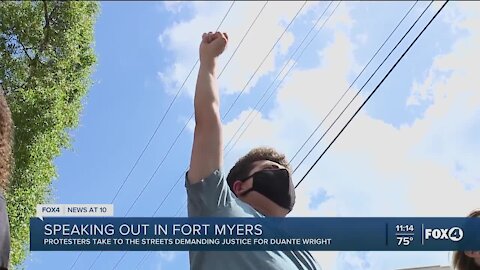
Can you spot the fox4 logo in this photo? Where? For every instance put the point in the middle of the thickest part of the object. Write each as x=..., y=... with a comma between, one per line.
x=454, y=234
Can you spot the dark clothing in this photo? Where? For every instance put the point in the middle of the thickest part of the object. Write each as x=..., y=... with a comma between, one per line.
x=4, y=234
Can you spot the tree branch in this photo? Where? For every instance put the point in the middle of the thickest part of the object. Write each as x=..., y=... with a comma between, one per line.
x=47, y=18
x=46, y=28
x=25, y=50
x=55, y=7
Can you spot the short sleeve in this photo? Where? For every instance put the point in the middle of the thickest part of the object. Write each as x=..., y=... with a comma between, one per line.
x=209, y=196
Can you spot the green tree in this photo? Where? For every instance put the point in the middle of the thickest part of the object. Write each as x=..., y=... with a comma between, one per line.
x=46, y=59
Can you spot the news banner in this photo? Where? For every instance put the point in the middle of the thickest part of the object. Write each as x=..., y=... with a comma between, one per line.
x=91, y=227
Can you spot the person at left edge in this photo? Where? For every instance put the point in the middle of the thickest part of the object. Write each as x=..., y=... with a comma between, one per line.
x=5, y=164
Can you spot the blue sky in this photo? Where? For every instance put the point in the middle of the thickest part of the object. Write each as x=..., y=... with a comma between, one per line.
x=418, y=131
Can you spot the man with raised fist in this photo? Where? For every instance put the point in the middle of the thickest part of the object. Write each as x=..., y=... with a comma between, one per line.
x=259, y=185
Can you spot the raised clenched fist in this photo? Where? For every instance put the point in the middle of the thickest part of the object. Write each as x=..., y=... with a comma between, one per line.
x=212, y=45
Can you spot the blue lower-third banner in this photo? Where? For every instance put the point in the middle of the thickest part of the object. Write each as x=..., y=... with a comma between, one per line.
x=354, y=234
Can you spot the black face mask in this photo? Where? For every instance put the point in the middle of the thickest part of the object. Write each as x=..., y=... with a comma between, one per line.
x=276, y=185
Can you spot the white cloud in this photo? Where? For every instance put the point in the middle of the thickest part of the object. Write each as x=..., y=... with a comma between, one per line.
x=342, y=18
x=362, y=38
x=173, y=6
x=251, y=136
x=182, y=40
x=286, y=41
x=315, y=89
x=421, y=91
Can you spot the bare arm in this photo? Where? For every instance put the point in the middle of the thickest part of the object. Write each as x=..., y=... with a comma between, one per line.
x=207, y=151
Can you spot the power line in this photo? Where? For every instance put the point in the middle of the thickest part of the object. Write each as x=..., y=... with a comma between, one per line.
x=360, y=90
x=371, y=94
x=244, y=36
x=158, y=125
x=261, y=63
x=348, y=89
x=285, y=75
x=145, y=257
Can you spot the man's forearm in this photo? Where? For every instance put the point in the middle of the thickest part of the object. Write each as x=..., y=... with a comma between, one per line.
x=207, y=150
x=207, y=100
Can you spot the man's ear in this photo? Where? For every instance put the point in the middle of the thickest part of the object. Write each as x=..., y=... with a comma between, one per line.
x=473, y=254
x=237, y=187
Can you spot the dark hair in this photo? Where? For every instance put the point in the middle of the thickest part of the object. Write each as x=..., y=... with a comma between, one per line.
x=244, y=165
x=6, y=131
x=460, y=260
